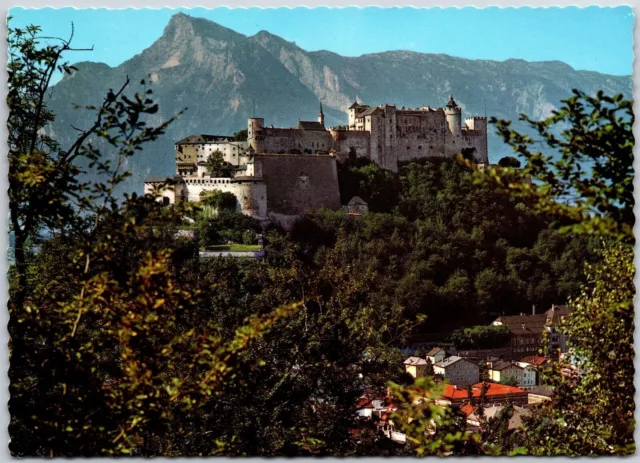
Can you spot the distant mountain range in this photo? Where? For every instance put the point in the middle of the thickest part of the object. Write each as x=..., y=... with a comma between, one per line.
x=222, y=77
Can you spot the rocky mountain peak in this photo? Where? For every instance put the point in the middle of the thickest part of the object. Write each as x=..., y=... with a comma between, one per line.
x=183, y=25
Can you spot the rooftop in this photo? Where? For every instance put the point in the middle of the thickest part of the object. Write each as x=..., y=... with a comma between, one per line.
x=523, y=324
x=369, y=111
x=200, y=139
x=451, y=391
x=170, y=180
x=310, y=125
x=449, y=361
x=415, y=361
x=357, y=201
x=536, y=360
x=556, y=313
x=499, y=366
x=434, y=351
x=540, y=390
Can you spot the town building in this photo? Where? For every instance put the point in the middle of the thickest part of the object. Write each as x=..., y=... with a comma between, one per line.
x=356, y=206
x=475, y=422
x=380, y=408
x=529, y=374
x=501, y=372
x=540, y=394
x=193, y=151
x=456, y=396
x=527, y=330
x=457, y=370
x=436, y=355
x=415, y=366
x=557, y=320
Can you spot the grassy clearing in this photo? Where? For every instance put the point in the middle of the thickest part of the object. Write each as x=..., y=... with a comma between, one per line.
x=234, y=248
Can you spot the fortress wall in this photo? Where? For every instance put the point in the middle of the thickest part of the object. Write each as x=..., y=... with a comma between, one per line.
x=359, y=140
x=251, y=195
x=172, y=192
x=286, y=140
x=299, y=183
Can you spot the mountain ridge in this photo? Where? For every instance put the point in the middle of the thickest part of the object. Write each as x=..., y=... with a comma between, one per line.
x=221, y=75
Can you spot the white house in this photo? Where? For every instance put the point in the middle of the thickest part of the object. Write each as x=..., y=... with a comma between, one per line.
x=458, y=370
x=415, y=366
x=528, y=374
x=500, y=371
x=436, y=355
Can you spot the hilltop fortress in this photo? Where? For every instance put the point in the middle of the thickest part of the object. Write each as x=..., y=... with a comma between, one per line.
x=385, y=134
x=291, y=171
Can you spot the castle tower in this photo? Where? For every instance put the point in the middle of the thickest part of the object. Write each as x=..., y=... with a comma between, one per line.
x=255, y=135
x=454, y=116
x=321, y=116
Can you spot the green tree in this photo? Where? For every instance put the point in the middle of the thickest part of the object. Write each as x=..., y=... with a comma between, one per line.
x=509, y=161
x=590, y=179
x=509, y=381
x=217, y=166
x=589, y=187
x=481, y=337
x=219, y=200
x=45, y=191
x=429, y=368
x=241, y=135
x=592, y=411
x=430, y=429
x=110, y=349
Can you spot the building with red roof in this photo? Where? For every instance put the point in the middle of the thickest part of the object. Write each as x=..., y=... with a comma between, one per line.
x=456, y=396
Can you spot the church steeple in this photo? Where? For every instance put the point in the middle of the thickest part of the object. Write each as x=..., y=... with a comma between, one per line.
x=321, y=115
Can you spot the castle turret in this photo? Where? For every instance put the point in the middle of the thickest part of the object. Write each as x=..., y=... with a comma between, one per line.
x=454, y=116
x=321, y=116
x=255, y=135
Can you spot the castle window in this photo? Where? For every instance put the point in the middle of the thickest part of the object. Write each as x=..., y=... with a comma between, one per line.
x=408, y=147
x=419, y=147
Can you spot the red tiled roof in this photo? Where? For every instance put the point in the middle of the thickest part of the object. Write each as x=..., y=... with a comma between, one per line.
x=535, y=359
x=453, y=392
x=467, y=409
x=364, y=403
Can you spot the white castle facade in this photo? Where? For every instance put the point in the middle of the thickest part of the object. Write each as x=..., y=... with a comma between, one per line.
x=384, y=134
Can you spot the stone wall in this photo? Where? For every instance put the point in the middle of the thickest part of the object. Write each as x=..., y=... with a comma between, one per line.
x=287, y=140
x=251, y=194
x=167, y=193
x=345, y=140
x=299, y=183
x=420, y=134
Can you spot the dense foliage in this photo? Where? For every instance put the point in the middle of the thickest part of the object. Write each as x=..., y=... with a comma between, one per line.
x=481, y=337
x=586, y=172
x=447, y=245
x=592, y=411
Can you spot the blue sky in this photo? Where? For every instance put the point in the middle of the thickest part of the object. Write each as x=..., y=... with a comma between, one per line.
x=593, y=38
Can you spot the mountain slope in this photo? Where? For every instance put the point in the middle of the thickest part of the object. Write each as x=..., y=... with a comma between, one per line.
x=221, y=76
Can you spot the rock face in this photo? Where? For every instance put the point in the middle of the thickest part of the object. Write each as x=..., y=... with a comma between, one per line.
x=223, y=78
